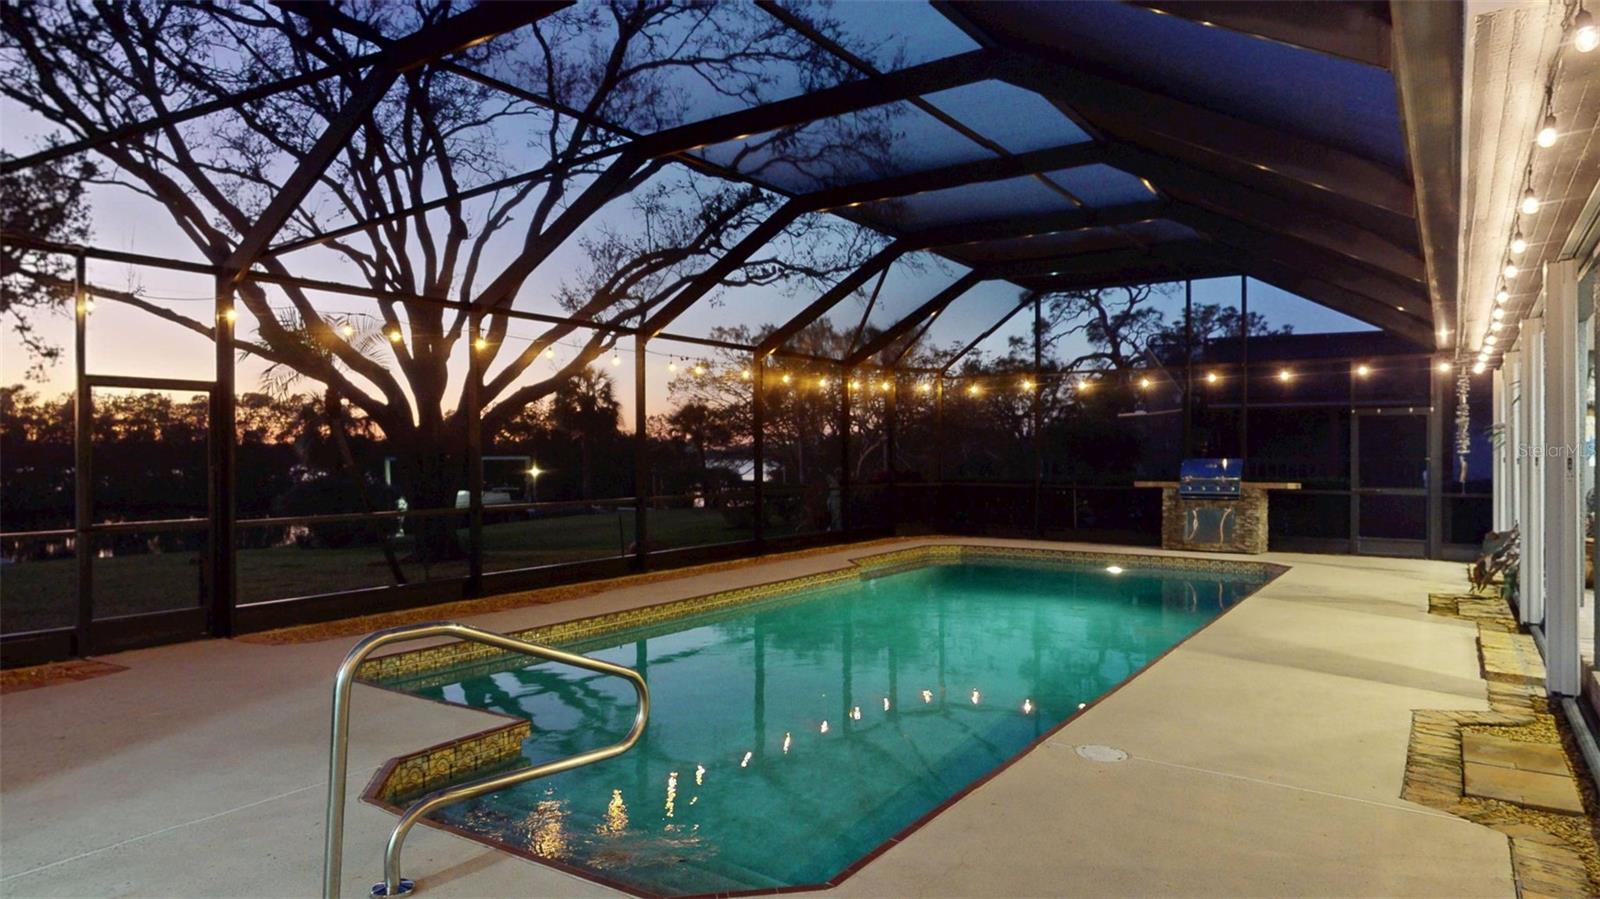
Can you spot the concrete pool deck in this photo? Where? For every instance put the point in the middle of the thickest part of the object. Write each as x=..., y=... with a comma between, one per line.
x=1267, y=757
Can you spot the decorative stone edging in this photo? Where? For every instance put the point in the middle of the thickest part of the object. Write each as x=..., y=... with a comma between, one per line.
x=1552, y=854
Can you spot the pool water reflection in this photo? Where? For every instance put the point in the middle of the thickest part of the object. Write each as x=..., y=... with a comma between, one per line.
x=790, y=738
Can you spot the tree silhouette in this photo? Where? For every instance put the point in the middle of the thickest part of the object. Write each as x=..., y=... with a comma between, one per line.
x=640, y=65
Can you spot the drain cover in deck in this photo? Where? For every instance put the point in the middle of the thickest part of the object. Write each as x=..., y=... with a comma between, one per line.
x=1095, y=752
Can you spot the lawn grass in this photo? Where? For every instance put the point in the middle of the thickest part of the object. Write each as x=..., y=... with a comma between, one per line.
x=39, y=595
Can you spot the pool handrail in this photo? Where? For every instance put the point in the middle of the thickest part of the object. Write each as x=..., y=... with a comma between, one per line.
x=339, y=741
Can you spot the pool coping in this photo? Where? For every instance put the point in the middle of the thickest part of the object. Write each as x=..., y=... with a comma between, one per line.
x=418, y=772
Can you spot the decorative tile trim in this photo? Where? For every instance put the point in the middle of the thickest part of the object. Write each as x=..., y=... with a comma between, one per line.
x=417, y=662
x=408, y=776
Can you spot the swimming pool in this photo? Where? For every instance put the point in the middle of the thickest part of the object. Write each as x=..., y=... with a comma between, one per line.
x=792, y=736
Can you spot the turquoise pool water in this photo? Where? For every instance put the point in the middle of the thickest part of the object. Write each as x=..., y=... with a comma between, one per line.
x=790, y=738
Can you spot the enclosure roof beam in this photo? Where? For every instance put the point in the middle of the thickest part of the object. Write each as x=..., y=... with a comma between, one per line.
x=1381, y=286
x=933, y=307
x=1427, y=76
x=1177, y=254
x=990, y=169
x=1132, y=275
x=1027, y=300
x=1130, y=112
x=1033, y=225
x=178, y=117
x=1354, y=31
x=725, y=265
x=1289, y=277
x=1238, y=201
x=538, y=247
x=852, y=96
x=543, y=171
x=879, y=262
x=459, y=32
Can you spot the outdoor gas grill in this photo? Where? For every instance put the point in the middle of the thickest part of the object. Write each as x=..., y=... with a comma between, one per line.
x=1211, y=508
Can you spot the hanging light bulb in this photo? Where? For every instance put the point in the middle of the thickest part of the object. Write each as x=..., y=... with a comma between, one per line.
x=924, y=387
x=395, y=335
x=1496, y=326
x=1490, y=340
x=1548, y=134
x=822, y=381
x=549, y=352
x=1511, y=270
x=1285, y=375
x=1585, y=36
x=615, y=360
x=1211, y=377
x=480, y=344
x=1478, y=367
x=974, y=390
x=1027, y=385
x=1530, y=202
x=744, y=374
x=1501, y=297
x=230, y=315
x=1518, y=244
x=1444, y=367
x=855, y=385
x=672, y=365
x=699, y=369
x=786, y=378
x=885, y=385
x=347, y=329
x=1497, y=314
x=1363, y=370
x=1144, y=383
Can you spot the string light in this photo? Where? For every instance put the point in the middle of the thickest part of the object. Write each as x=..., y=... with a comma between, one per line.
x=1085, y=385
x=1501, y=297
x=885, y=385
x=1497, y=314
x=1285, y=375
x=230, y=315
x=744, y=373
x=347, y=329
x=1548, y=134
x=480, y=344
x=1518, y=244
x=1144, y=383
x=395, y=336
x=672, y=366
x=1478, y=367
x=1511, y=270
x=974, y=390
x=822, y=381
x=1496, y=326
x=1211, y=377
x=1585, y=36
x=1363, y=370
x=855, y=385
x=786, y=378
x=550, y=352
x=1530, y=202
x=699, y=369
x=1490, y=339
x=1444, y=366
x=1027, y=385
x=924, y=387
x=615, y=360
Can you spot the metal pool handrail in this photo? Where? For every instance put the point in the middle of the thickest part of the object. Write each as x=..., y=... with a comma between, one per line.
x=339, y=741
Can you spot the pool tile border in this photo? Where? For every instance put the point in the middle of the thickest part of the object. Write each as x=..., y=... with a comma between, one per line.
x=404, y=778
x=415, y=662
